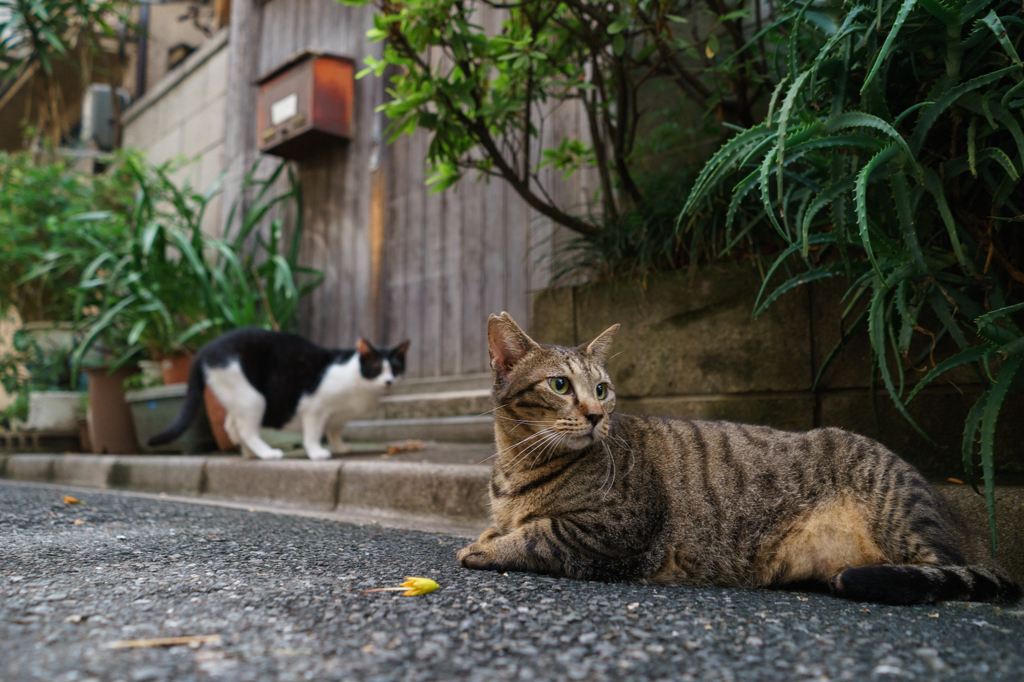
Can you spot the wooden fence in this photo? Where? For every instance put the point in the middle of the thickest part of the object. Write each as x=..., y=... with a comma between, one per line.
x=400, y=262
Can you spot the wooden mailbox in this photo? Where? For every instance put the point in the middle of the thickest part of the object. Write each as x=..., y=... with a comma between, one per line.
x=305, y=105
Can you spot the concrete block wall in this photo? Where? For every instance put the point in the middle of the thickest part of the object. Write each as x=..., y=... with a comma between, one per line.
x=183, y=116
x=690, y=348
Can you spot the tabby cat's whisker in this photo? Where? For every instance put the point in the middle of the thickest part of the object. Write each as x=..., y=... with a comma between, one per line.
x=632, y=455
x=543, y=432
x=608, y=471
x=542, y=447
x=549, y=449
x=612, y=458
x=525, y=440
x=525, y=421
x=533, y=447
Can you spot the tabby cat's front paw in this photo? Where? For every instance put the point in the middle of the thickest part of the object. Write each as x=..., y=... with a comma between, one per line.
x=489, y=535
x=478, y=557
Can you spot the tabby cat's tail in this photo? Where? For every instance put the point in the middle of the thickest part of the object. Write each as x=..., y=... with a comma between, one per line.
x=905, y=584
x=189, y=410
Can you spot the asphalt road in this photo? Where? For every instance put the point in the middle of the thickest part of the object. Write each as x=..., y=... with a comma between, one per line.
x=284, y=594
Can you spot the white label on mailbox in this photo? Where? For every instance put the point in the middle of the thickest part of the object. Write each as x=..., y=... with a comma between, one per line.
x=283, y=109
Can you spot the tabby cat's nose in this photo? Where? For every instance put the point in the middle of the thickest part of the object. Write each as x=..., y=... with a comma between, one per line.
x=594, y=417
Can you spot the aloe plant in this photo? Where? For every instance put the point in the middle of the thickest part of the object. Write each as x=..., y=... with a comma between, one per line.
x=891, y=156
x=171, y=287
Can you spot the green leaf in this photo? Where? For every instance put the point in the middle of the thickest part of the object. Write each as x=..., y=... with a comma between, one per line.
x=782, y=258
x=136, y=331
x=989, y=318
x=787, y=107
x=1000, y=157
x=861, y=200
x=971, y=426
x=992, y=21
x=934, y=187
x=618, y=25
x=774, y=99
x=859, y=119
x=766, y=201
x=739, y=192
x=1011, y=349
x=876, y=331
x=972, y=354
x=997, y=393
x=722, y=163
x=823, y=272
x=618, y=45
x=932, y=113
x=905, y=10
x=824, y=198
x=901, y=195
x=941, y=11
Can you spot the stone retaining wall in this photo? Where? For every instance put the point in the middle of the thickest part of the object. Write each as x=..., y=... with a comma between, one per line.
x=689, y=347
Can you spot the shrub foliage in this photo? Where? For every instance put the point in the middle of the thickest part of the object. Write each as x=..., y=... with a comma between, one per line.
x=891, y=156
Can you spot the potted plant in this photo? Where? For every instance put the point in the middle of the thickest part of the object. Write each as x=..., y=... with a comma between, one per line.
x=41, y=381
x=46, y=238
x=54, y=221
x=170, y=287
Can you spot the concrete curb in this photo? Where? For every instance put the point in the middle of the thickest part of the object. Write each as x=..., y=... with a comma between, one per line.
x=303, y=483
x=457, y=490
x=361, y=488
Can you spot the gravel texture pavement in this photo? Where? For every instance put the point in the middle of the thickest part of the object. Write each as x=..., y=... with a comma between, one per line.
x=285, y=595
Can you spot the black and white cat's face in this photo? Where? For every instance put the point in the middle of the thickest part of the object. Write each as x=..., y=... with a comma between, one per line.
x=381, y=366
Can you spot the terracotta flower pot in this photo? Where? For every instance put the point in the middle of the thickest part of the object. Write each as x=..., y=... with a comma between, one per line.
x=216, y=413
x=175, y=369
x=111, y=430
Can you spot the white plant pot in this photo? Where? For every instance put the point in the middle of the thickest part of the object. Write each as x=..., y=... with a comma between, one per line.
x=54, y=410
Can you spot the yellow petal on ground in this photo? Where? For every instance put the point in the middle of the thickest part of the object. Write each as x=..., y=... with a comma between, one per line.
x=413, y=587
x=72, y=500
x=418, y=586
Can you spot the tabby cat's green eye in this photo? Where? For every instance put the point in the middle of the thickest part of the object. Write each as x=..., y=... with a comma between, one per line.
x=559, y=385
x=602, y=391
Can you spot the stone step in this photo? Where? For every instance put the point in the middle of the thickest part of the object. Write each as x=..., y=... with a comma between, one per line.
x=462, y=403
x=464, y=382
x=459, y=429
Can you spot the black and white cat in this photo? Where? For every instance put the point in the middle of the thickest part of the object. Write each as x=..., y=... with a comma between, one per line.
x=282, y=381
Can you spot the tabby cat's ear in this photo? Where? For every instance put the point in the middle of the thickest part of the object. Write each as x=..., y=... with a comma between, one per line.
x=598, y=348
x=364, y=348
x=506, y=342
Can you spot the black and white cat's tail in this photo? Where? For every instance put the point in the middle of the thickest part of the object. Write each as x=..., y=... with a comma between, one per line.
x=906, y=584
x=189, y=410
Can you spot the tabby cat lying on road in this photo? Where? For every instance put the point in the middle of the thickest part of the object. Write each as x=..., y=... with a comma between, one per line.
x=579, y=491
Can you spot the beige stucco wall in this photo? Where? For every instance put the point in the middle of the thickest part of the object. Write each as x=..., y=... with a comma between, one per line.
x=183, y=116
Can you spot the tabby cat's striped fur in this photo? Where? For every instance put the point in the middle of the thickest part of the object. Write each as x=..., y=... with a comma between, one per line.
x=579, y=491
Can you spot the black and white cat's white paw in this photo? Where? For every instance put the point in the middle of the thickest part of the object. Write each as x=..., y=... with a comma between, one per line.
x=319, y=453
x=271, y=453
x=265, y=452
